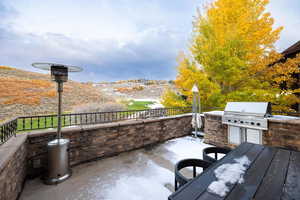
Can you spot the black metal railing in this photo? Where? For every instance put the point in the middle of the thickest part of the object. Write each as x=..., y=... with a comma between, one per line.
x=8, y=129
x=27, y=123
x=75, y=119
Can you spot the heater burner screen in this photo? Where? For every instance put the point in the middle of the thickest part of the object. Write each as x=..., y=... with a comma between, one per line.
x=59, y=73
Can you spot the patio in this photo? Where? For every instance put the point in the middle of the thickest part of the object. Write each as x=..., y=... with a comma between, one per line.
x=147, y=173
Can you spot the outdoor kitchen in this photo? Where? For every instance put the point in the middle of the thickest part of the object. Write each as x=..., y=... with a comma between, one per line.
x=251, y=122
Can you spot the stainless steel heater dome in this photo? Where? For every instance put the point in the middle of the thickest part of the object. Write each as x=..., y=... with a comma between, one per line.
x=58, y=168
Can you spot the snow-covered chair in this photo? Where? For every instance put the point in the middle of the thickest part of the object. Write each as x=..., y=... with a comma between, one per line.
x=215, y=151
x=179, y=178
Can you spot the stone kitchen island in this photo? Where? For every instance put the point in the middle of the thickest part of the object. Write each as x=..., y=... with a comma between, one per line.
x=283, y=131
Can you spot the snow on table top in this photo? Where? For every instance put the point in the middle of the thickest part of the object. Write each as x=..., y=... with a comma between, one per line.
x=228, y=174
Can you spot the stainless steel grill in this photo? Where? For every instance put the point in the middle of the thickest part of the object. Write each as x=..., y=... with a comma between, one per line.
x=246, y=121
x=247, y=114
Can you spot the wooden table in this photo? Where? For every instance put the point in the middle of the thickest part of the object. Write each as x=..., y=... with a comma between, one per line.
x=273, y=174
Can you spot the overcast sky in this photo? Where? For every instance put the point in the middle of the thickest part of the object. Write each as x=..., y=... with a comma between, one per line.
x=112, y=39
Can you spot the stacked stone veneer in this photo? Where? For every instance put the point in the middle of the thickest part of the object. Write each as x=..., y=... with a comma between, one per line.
x=215, y=132
x=26, y=155
x=283, y=132
x=98, y=141
x=12, y=167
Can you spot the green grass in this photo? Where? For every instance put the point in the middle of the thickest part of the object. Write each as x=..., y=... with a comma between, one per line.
x=42, y=123
x=139, y=105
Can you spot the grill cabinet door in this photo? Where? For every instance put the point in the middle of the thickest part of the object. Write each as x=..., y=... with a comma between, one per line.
x=254, y=136
x=234, y=135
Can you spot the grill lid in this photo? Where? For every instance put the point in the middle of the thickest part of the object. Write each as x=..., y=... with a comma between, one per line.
x=251, y=115
x=262, y=109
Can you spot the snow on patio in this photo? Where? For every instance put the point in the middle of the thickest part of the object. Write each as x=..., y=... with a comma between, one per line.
x=142, y=174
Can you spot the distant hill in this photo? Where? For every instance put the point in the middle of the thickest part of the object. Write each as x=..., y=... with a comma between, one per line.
x=135, y=89
x=29, y=93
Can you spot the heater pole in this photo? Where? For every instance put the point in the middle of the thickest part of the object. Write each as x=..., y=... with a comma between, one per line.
x=59, y=90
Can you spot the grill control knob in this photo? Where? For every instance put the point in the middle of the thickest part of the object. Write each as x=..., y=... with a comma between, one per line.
x=235, y=121
x=252, y=123
x=258, y=124
x=229, y=120
x=242, y=122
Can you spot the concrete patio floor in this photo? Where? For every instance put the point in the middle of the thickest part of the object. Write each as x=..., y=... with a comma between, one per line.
x=144, y=174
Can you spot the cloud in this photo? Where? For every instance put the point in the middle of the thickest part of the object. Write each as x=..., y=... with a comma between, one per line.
x=112, y=41
x=144, y=57
x=286, y=14
x=121, y=39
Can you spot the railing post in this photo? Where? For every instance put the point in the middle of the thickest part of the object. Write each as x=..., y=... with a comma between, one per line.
x=2, y=135
x=16, y=126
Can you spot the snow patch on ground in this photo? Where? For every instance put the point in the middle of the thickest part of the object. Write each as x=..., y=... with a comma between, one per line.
x=228, y=174
x=186, y=147
x=134, y=187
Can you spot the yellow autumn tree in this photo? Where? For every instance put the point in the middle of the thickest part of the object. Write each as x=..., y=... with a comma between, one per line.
x=233, y=58
x=189, y=74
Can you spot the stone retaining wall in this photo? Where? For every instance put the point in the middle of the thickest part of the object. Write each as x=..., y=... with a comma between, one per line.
x=283, y=132
x=25, y=155
x=99, y=141
x=12, y=167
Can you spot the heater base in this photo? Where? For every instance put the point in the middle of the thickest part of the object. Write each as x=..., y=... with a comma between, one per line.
x=58, y=168
x=53, y=181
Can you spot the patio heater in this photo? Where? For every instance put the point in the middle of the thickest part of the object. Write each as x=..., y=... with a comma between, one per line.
x=58, y=169
x=196, y=109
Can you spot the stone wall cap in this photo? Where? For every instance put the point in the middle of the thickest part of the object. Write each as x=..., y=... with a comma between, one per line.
x=9, y=148
x=36, y=133
x=157, y=119
x=215, y=112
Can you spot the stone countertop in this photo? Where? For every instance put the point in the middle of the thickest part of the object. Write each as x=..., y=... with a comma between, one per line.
x=274, y=118
x=284, y=119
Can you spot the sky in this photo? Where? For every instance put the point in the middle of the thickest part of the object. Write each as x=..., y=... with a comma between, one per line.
x=112, y=39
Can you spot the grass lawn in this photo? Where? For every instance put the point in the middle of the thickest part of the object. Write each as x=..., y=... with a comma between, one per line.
x=139, y=105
